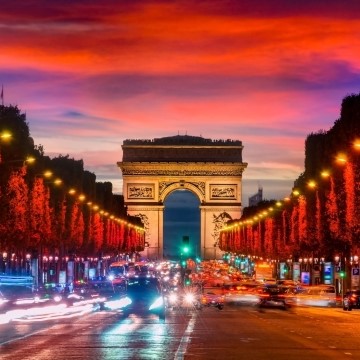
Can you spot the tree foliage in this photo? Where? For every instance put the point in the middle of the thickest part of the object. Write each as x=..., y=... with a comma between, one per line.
x=36, y=215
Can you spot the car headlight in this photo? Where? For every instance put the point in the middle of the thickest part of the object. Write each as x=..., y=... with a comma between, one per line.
x=189, y=297
x=57, y=298
x=118, y=304
x=173, y=298
x=3, y=301
x=159, y=302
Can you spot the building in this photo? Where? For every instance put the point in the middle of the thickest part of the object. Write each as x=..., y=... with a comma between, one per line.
x=256, y=198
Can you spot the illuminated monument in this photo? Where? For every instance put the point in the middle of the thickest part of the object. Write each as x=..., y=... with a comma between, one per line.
x=210, y=169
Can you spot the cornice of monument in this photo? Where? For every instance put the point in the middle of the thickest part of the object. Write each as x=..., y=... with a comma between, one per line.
x=182, y=169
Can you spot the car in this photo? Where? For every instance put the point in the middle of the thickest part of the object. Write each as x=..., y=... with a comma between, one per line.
x=286, y=282
x=143, y=296
x=351, y=300
x=271, y=295
x=212, y=298
x=241, y=294
x=322, y=296
x=17, y=297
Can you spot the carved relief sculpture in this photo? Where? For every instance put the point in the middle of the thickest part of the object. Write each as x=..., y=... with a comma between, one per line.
x=140, y=191
x=223, y=191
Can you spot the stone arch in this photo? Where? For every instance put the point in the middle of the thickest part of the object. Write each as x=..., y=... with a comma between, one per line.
x=182, y=185
x=211, y=169
x=181, y=220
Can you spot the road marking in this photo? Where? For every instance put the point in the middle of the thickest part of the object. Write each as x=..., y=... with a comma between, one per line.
x=23, y=337
x=179, y=355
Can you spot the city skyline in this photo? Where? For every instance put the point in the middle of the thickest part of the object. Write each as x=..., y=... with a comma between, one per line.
x=91, y=75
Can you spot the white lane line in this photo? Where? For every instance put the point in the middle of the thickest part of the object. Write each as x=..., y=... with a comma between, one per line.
x=23, y=337
x=179, y=355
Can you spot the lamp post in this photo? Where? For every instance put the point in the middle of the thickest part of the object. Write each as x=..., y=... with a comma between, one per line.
x=4, y=255
x=28, y=264
x=339, y=276
x=4, y=137
x=45, y=270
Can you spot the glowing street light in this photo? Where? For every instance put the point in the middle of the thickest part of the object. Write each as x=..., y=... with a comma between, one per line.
x=29, y=160
x=5, y=136
x=47, y=174
x=357, y=144
x=296, y=192
x=57, y=181
x=312, y=184
x=325, y=174
x=341, y=158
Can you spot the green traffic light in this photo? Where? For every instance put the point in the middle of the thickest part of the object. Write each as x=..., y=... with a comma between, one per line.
x=186, y=249
x=342, y=274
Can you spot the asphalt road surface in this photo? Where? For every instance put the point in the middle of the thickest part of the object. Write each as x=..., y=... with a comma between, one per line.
x=237, y=332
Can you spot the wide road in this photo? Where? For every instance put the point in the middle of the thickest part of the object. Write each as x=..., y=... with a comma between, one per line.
x=237, y=332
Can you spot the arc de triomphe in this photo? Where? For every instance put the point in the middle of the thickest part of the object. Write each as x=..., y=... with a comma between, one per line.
x=211, y=169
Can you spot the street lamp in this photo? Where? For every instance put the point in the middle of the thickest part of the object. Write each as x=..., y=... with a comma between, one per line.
x=5, y=260
x=357, y=144
x=28, y=266
x=4, y=137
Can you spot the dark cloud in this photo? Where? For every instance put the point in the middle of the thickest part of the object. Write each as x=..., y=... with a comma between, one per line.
x=87, y=10
x=123, y=86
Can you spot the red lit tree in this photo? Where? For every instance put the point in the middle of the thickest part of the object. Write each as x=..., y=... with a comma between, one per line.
x=16, y=221
x=40, y=234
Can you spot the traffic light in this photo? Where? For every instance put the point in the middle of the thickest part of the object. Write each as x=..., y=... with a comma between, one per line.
x=185, y=247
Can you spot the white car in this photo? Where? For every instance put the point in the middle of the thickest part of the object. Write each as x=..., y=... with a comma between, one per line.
x=323, y=295
x=241, y=294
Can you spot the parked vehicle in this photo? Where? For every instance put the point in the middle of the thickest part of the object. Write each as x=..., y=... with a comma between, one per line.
x=351, y=300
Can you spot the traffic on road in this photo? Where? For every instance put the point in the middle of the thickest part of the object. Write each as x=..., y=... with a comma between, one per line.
x=165, y=299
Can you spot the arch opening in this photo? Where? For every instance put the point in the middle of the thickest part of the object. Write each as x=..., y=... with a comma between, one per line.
x=181, y=222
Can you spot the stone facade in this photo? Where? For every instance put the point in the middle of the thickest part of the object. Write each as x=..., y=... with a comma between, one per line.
x=153, y=169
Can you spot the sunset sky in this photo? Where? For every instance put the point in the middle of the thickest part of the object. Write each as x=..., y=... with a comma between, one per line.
x=90, y=74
